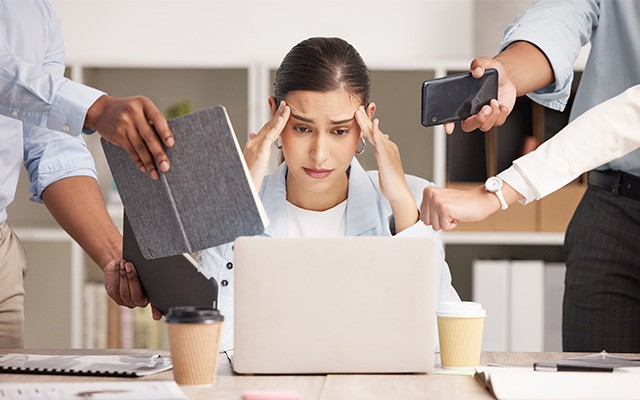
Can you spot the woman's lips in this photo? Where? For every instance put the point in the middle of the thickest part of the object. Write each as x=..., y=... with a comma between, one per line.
x=317, y=173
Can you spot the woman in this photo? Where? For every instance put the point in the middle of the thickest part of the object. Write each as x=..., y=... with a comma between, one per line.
x=321, y=119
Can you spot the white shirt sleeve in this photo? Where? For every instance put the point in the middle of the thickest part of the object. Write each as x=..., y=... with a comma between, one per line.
x=606, y=132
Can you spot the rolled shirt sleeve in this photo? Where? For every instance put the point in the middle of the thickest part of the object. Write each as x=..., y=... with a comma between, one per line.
x=51, y=156
x=559, y=29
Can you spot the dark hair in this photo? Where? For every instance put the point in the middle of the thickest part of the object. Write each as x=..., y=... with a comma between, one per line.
x=322, y=64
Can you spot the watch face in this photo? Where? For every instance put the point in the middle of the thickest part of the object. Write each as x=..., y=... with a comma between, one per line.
x=493, y=184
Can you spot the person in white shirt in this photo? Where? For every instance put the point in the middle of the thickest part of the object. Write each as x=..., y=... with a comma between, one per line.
x=601, y=306
x=321, y=120
x=576, y=149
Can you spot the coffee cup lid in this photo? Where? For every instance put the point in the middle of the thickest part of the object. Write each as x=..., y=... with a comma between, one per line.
x=193, y=315
x=460, y=309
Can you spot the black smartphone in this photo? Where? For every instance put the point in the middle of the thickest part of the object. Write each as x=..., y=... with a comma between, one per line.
x=457, y=97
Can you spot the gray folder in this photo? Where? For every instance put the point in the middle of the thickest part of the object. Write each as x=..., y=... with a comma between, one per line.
x=206, y=198
x=169, y=281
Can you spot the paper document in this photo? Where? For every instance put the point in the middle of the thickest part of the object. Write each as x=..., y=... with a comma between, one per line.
x=107, y=365
x=603, y=362
x=525, y=383
x=148, y=390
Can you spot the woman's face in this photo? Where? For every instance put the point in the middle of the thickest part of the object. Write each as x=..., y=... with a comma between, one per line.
x=318, y=144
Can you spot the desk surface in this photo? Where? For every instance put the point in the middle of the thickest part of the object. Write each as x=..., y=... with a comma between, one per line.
x=311, y=387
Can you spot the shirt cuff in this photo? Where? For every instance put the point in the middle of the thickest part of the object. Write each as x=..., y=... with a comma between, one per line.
x=70, y=106
x=514, y=177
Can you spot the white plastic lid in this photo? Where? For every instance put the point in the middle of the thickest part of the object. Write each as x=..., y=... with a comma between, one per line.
x=460, y=309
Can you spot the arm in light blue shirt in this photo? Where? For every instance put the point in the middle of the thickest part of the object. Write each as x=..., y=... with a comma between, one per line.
x=559, y=29
x=36, y=92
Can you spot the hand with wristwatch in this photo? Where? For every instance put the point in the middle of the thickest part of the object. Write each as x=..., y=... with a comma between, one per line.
x=443, y=208
x=494, y=185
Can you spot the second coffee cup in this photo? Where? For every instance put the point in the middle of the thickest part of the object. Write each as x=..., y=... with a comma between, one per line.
x=460, y=326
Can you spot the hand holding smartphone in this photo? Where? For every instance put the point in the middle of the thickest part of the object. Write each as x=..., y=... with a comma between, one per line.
x=457, y=97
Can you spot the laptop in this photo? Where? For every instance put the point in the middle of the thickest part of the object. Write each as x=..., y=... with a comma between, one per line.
x=334, y=305
x=169, y=281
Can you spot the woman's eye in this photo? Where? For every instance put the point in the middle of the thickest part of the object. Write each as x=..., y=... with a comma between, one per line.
x=301, y=129
x=341, y=132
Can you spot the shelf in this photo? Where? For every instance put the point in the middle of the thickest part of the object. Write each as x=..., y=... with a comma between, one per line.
x=505, y=238
x=42, y=234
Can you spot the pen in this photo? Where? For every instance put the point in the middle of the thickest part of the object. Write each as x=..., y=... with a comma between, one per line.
x=570, y=368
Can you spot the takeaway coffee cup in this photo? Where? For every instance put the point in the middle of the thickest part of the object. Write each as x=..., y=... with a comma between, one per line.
x=460, y=326
x=194, y=334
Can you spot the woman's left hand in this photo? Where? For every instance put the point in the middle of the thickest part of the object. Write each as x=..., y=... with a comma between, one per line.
x=393, y=183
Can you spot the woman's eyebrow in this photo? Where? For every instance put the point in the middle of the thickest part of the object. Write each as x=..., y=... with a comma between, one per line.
x=303, y=119
x=343, y=121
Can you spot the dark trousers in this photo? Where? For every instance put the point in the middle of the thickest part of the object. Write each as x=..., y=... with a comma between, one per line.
x=601, y=309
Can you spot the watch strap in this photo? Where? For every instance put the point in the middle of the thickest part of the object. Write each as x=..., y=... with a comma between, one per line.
x=503, y=202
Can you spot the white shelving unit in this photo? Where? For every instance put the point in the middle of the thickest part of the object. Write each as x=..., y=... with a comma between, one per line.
x=505, y=238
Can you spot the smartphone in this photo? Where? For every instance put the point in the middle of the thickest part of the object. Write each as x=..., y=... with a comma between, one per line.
x=457, y=97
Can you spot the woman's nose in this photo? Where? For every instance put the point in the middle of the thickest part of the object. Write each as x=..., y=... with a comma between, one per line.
x=319, y=148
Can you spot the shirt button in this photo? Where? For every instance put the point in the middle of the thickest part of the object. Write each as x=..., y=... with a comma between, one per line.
x=229, y=265
x=66, y=128
x=14, y=114
x=225, y=283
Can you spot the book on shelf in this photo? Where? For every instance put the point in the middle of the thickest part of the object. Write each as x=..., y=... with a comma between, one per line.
x=95, y=316
x=491, y=288
x=527, y=305
x=206, y=199
x=553, y=297
x=98, y=365
x=135, y=328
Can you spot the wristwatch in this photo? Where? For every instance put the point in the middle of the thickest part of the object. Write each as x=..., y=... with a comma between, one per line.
x=494, y=185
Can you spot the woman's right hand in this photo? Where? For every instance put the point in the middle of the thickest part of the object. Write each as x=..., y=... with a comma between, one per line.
x=257, y=151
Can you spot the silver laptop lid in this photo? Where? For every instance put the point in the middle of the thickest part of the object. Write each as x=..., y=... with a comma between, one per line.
x=334, y=305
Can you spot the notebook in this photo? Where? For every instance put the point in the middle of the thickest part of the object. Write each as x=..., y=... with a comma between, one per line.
x=206, y=199
x=169, y=281
x=334, y=305
x=130, y=366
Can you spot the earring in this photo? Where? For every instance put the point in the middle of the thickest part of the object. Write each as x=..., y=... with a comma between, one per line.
x=364, y=146
x=277, y=143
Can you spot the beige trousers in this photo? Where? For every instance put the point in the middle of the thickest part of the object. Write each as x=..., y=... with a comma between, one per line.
x=13, y=268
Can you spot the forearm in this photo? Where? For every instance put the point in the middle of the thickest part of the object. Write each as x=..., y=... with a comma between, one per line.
x=77, y=205
x=405, y=213
x=526, y=66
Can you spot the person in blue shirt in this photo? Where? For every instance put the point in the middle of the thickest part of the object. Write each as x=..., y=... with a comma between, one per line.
x=41, y=117
x=321, y=121
x=601, y=307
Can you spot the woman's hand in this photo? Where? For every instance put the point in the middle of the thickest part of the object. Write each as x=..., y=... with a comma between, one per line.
x=393, y=183
x=257, y=151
